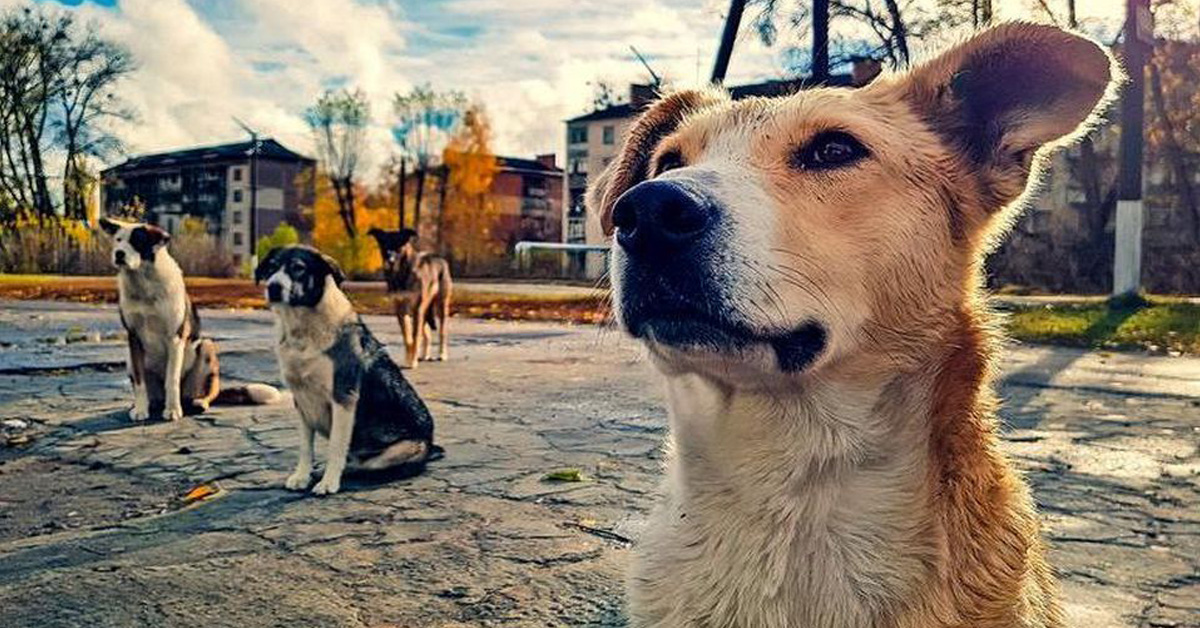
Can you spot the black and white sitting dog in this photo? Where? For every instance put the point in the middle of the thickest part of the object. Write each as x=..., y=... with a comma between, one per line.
x=173, y=369
x=345, y=384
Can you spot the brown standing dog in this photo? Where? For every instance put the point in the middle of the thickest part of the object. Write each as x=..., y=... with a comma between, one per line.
x=806, y=274
x=422, y=286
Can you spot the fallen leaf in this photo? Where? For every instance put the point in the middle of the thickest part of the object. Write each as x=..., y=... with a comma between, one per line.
x=203, y=491
x=564, y=475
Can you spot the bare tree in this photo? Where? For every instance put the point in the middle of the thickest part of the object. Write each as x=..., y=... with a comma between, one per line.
x=56, y=91
x=425, y=119
x=88, y=98
x=339, y=123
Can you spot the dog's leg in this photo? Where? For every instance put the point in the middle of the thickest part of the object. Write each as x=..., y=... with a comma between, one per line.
x=443, y=315
x=202, y=383
x=426, y=342
x=421, y=329
x=137, y=376
x=410, y=341
x=173, y=408
x=302, y=475
x=403, y=452
x=341, y=428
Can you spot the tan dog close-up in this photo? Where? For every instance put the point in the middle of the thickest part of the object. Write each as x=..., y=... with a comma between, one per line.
x=806, y=274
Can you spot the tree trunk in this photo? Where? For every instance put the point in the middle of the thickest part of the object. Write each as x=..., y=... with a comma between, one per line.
x=442, y=207
x=899, y=30
x=347, y=208
x=41, y=194
x=400, y=185
x=420, y=196
x=1175, y=156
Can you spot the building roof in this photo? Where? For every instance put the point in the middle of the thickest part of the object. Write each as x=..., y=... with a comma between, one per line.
x=517, y=163
x=613, y=112
x=268, y=149
x=766, y=88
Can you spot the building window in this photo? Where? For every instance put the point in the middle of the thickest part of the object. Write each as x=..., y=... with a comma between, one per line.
x=237, y=174
x=577, y=135
x=610, y=135
x=237, y=218
x=237, y=196
x=237, y=238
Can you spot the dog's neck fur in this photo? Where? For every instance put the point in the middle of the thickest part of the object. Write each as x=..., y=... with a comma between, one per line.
x=316, y=326
x=151, y=280
x=842, y=482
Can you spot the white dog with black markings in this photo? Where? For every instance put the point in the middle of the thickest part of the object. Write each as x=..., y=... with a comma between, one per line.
x=174, y=371
x=346, y=386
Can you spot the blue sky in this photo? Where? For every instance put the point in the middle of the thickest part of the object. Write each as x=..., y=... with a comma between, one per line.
x=532, y=63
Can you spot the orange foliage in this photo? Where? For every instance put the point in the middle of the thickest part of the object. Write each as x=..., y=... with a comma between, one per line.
x=359, y=255
x=470, y=212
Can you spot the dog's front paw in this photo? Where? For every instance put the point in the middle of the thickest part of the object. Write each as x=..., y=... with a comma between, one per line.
x=173, y=413
x=327, y=486
x=443, y=356
x=298, y=481
x=138, y=413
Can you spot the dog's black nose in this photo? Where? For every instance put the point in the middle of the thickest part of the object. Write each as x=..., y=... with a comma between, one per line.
x=119, y=257
x=274, y=292
x=661, y=217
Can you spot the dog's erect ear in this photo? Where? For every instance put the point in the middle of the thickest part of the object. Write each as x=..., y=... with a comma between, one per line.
x=109, y=226
x=1010, y=90
x=405, y=236
x=146, y=239
x=331, y=266
x=630, y=167
x=156, y=236
x=268, y=265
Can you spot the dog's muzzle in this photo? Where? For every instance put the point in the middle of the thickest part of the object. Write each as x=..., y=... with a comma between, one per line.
x=118, y=258
x=671, y=290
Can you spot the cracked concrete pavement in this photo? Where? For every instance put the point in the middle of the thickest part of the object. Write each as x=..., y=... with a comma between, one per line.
x=94, y=531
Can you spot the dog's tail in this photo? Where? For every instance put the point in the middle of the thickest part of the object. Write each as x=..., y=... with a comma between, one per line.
x=248, y=395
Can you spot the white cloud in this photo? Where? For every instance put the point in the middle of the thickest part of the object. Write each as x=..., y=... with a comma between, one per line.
x=531, y=62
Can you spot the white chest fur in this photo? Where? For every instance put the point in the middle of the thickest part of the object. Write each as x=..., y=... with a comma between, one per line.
x=783, y=510
x=153, y=303
x=308, y=372
x=305, y=336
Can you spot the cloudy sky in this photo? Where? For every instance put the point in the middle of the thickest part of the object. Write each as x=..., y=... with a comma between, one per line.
x=531, y=62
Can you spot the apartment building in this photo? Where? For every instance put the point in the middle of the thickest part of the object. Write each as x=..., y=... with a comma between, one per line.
x=218, y=184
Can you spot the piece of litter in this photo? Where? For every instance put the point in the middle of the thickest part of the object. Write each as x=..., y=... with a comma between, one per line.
x=564, y=475
x=14, y=424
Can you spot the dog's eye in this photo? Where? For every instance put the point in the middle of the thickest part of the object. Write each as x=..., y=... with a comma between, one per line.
x=670, y=160
x=832, y=149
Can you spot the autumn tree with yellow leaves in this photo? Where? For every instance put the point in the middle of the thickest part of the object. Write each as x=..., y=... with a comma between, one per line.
x=356, y=254
x=468, y=219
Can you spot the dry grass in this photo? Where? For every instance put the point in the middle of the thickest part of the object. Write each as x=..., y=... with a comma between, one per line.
x=1159, y=324
x=368, y=298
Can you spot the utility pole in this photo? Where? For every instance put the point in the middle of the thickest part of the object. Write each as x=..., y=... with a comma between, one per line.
x=820, y=51
x=1127, y=256
x=733, y=21
x=400, y=185
x=252, y=220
